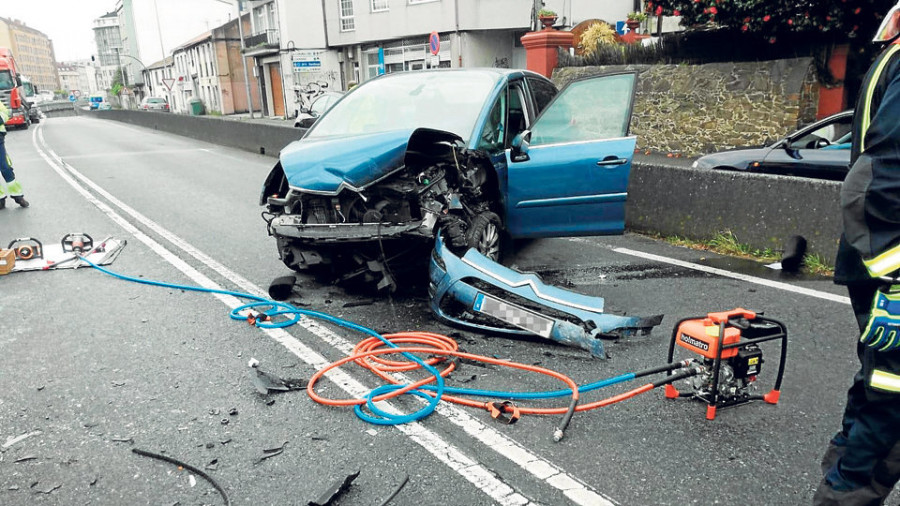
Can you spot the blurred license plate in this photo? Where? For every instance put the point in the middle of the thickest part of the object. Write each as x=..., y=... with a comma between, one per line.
x=513, y=314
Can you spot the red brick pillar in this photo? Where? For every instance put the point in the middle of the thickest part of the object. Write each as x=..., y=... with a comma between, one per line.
x=833, y=100
x=540, y=49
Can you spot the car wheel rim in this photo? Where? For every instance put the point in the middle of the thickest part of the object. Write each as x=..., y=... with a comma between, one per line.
x=489, y=242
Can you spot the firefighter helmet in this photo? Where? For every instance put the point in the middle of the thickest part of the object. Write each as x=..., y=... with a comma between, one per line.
x=890, y=26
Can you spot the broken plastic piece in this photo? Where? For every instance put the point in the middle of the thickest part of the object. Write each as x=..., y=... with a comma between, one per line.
x=267, y=382
x=334, y=491
x=475, y=292
x=282, y=288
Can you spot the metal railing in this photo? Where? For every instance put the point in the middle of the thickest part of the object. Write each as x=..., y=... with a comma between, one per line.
x=263, y=38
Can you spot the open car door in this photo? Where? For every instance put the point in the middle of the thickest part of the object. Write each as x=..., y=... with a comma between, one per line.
x=569, y=175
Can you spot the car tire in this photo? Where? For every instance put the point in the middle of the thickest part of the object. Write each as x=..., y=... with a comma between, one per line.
x=485, y=234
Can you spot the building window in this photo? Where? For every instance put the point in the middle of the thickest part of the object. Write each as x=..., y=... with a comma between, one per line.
x=347, y=21
x=380, y=5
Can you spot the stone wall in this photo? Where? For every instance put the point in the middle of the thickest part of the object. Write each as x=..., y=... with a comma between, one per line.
x=698, y=109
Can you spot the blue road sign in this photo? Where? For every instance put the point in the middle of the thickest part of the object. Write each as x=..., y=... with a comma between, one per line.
x=434, y=43
x=71, y=98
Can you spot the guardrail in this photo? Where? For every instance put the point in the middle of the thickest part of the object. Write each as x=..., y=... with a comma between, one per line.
x=761, y=210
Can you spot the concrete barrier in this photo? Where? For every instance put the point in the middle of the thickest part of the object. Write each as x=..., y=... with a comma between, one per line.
x=262, y=138
x=57, y=109
x=761, y=210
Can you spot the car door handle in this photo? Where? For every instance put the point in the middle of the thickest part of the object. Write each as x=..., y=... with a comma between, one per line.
x=612, y=161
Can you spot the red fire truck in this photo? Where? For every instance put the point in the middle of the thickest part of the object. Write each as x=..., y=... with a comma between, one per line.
x=11, y=90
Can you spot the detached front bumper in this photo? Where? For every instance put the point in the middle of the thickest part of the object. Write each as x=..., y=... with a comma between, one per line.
x=478, y=293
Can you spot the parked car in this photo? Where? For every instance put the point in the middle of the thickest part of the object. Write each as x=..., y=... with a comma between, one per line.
x=820, y=150
x=317, y=107
x=476, y=153
x=154, y=104
x=104, y=106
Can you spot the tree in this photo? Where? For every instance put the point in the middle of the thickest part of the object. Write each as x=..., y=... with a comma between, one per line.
x=840, y=20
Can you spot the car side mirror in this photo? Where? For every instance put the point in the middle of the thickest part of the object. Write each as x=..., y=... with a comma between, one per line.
x=307, y=122
x=519, y=147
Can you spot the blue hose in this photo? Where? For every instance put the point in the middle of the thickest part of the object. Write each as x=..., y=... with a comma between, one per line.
x=378, y=416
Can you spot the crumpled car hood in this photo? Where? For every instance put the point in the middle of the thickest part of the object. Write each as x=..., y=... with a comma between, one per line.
x=327, y=165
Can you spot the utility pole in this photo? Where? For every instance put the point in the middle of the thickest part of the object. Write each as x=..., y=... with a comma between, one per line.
x=243, y=58
x=240, y=22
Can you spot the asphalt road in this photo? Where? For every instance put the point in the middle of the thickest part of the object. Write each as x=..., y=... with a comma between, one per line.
x=92, y=366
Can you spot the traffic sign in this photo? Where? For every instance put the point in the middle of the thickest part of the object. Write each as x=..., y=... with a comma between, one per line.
x=168, y=82
x=77, y=93
x=72, y=97
x=434, y=43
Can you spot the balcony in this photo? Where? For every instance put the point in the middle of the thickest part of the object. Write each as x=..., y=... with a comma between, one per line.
x=262, y=43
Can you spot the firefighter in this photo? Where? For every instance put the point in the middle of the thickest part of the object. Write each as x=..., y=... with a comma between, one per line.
x=8, y=184
x=862, y=462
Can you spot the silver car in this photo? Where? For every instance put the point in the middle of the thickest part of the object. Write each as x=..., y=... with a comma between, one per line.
x=154, y=104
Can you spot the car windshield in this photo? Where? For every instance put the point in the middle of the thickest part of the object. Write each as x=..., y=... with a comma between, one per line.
x=157, y=101
x=6, y=80
x=443, y=100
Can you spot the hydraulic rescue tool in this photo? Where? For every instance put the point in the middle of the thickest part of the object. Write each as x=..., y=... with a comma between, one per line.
x=26, y=248
x=730, y=357
x=77, y=243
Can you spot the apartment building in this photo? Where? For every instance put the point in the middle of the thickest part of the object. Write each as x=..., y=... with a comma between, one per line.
x=209, y=67
x=79, y=75
x=336, y=43
x=196, y=73
x=108, y=39
x=33, y=52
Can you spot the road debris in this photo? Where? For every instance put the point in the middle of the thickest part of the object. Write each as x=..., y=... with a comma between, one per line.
x=334, y=491
x=267, y=382
x=396, y=491
x=367, y=302
x=46, y=490
x=25, y=458
x=13, y=440
x=272, y=452
x=189, y=467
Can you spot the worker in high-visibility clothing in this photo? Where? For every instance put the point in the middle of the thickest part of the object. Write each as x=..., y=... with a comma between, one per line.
x=862, y=462
x=8, y=184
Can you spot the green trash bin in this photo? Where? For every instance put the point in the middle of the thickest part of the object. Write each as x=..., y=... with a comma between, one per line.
x=196, y=106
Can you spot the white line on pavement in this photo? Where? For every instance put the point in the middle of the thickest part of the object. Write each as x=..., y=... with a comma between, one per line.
x=722, y=272
x=577, y=491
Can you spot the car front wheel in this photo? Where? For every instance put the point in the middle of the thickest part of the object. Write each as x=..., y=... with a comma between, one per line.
x=485, y=235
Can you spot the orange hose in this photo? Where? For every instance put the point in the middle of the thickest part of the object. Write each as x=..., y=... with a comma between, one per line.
x=368, y=355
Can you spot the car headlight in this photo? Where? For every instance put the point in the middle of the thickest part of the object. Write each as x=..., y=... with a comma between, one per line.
x=695, y=164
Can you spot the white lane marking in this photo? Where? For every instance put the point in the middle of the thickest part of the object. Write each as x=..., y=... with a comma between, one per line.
x=134, y=153
x=577, y=491
x=722, y=272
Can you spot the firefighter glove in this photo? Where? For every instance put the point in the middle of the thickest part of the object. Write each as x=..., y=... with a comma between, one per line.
x=883, y=330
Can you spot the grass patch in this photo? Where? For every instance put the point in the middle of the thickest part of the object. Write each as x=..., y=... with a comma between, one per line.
x=726, y=243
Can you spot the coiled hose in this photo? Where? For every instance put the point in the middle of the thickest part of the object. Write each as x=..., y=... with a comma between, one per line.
x=367, y=354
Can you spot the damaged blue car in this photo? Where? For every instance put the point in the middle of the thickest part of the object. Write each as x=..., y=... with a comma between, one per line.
x=480, y=154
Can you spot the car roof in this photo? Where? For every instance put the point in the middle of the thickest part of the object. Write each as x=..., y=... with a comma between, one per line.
x=496, y=72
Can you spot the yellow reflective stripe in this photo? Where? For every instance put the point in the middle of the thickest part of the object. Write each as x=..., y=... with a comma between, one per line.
x=885, y=263
x=885, y=381
x=867, y=106
x=892, y=336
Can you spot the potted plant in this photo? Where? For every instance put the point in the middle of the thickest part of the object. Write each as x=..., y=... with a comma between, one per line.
x=547, y=18
x=634, y=20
